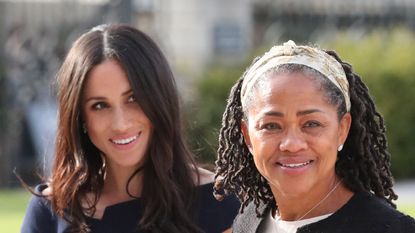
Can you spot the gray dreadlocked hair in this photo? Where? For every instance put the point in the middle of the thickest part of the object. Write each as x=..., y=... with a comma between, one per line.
x=363, y=164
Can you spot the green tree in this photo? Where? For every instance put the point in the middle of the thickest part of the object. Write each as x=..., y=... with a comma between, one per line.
x=205, y=111
x=385, y=61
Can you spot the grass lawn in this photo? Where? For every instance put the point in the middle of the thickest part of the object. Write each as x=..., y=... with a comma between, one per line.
x=12, y=207
x=407, y=209
x=13, y=204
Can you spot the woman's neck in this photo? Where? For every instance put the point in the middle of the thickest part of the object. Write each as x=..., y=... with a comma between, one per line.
x=314, y=204
x=116, y=182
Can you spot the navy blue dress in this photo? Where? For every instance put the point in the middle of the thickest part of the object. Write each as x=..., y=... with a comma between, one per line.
x=212, y=216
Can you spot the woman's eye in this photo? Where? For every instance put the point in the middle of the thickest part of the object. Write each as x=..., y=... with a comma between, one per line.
x=131, y=99
x=312, y=124
x=271, y=126
x=99, y=106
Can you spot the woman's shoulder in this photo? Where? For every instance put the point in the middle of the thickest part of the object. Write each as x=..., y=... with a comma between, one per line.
x=41, y=196
x=39, y=215
x=404, y=223
x=376, y=213
x=209, y=202
x=369, y=203
x=366, y=211
x=210, y=210
x=206, y=197
x=248, y=221
x=393, y=220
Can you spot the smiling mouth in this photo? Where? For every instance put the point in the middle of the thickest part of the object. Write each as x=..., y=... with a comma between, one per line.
x=295, y=165
x=125, y=141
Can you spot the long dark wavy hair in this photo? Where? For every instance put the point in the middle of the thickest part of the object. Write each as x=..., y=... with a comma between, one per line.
x=78, y=167
x=363, y=164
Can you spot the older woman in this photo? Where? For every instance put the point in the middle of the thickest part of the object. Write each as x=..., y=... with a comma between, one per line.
x=304, y=148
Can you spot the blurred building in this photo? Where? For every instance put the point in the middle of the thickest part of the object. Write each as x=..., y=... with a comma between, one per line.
x=194, y=34
x=312, y=20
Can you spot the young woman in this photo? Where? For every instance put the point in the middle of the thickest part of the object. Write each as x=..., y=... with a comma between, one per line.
x=304, y=148
x=121, y=162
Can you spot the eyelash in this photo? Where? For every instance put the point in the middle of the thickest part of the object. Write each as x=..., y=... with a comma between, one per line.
x=275, y=126
x=312, y=124
x=97, y=107
x=101, y=105
x=271, y=126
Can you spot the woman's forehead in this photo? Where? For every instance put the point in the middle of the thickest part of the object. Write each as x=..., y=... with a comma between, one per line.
x=287, y=90
x=285, y=85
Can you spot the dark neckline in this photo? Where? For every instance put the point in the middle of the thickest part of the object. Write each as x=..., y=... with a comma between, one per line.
x=137, y=201
x=338, y=216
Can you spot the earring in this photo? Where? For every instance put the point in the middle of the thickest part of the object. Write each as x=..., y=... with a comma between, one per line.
x=340, y=148
x=84, y=128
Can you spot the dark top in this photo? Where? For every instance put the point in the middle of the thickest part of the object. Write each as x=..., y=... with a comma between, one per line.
x=363, y=213
x=211, y=215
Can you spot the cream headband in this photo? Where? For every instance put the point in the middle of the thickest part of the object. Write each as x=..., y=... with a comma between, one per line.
x=290, y=53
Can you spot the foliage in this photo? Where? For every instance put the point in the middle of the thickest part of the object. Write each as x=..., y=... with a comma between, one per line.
x=205, y=111
x=2, y=101
x=384, y=60
x=3, y=112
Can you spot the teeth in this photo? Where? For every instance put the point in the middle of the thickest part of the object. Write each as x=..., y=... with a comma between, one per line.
x=124, y=141
x=296, y=165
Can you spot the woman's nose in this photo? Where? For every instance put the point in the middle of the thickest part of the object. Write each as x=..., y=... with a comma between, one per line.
x=293, y=141
x=121, y=120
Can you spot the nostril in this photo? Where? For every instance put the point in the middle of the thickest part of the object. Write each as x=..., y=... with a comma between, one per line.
x=292, y=144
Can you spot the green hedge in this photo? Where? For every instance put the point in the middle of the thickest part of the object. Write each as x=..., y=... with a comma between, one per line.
x=384, y=60
x=3, y=102
x=205, y=111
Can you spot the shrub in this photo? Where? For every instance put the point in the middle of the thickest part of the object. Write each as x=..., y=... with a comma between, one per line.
x=385, y=61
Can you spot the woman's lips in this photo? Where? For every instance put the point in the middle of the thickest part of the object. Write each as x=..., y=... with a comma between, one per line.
x=295, y=165
x=126, y=140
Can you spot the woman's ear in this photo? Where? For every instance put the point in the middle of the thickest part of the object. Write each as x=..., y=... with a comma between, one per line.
x=344, y=128
x=245, y=133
